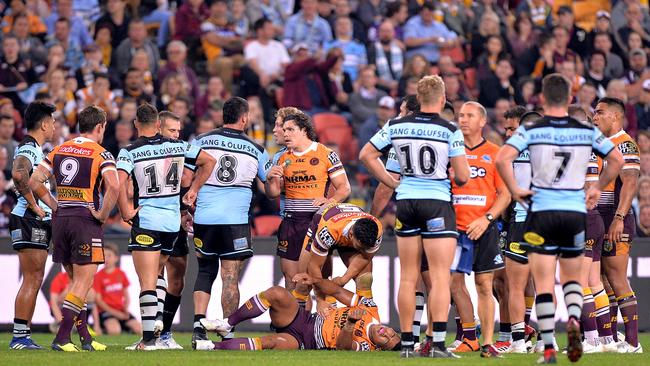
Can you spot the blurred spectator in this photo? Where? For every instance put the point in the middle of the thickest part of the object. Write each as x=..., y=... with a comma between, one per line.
x=31, y=47
x=138, y=39
x=371, y=11
x=596, y=74
x=562, y=51
x=74, y=56
x=7, y=201
x=7, y=108
x=453, y=88
x=174, y=86
x=303, y=79
x=456, y=16
x=636, y=73
x=522, y=36
x=396, y=14
x=416, y=67
x=92, y=64
x=238, y=18
x=545, y=62
x=103, y=40
x=364, y=102
x=498, y=86
x=256, y=125
x=188, y=20
x=498, y=119
x=616, y=89
x=16, y=73
x=482, y=7
x=63, y=99
x=116, y=20
x=526, y=95
x=388, y=57
x=354, y=53
x=78, y=29
x=643, y=141
x=269, y=9
x=486, y=63
x=385, y=111
x=182, y=107
x=124, y=133
x=205, y=124
x=127, y=114
x=425, y=35
x=342, y=9
x=155, y=13
x=619, y=19
x=488, y=26
x=140, y=61
x=643, y=106
x=134, y=87
x=587, y=95
x=18, y=8
x=307, y=27
x=339, y=85
x=213, y=91
x=266, y=59
x=568, y=69
x=99, y=94
x=176, y=63
x=7, y=126
x=634, y=23
x=603, y=25
x=222, y=46
x=112, y=296
x=643, y=229
x=603, y=42
x=577, y=35
x=540, y=12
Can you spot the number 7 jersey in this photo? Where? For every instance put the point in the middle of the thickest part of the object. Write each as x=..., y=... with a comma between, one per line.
x=156, y=166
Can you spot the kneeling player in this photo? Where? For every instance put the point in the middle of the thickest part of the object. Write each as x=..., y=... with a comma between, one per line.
x=355, y=327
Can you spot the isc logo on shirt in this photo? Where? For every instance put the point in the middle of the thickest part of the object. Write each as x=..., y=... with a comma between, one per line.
x=476, y=172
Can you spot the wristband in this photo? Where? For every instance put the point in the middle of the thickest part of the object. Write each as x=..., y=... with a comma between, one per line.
x=619, y=216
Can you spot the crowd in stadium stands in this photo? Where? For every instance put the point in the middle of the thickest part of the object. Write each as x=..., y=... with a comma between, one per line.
x=353, y=58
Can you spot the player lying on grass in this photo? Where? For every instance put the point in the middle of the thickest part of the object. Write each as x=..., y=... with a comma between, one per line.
x=354, y=327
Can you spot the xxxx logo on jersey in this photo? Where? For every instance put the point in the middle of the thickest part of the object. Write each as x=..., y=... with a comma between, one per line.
x=198, y=243
x=516, y=248
x=144, y=239
x=533, y=238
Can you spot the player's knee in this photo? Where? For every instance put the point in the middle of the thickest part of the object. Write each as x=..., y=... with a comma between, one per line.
x=275, y=292
x=364, y=281
x=207, y=273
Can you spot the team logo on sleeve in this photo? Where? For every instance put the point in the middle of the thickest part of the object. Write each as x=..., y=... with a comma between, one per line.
x=325, y=237
x=333, y=158
x=107, y=155
x=628, y=148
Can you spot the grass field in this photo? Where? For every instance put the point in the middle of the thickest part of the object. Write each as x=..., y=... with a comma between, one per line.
x=117, y=356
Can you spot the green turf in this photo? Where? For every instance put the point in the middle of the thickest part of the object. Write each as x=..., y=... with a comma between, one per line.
x=117, y=356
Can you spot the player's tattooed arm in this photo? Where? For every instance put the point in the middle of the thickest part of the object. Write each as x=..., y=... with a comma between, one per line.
x=383, y=194
x=37, y=186
x=20, y=173
x=204, y=167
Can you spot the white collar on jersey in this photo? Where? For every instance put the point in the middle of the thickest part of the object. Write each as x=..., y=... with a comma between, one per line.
x=312, y=147
x=82, y=139
x=619, y=133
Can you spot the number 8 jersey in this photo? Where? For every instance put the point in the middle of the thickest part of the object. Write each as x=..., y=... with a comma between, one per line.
x=423, y=143
x=560, y=150
x=156, y=167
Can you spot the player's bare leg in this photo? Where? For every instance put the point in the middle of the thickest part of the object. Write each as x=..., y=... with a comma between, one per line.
x=410, y=253
x=301, y=292
x=518, y=279
x=500, y=285
x=486, y=305
x=147, y=266
x=282, y=307
x=616, y=270
x=440, y=255
x=465, y=309
x=290, y=269
x=32, y=268
x=230, y=272
x=81, y=277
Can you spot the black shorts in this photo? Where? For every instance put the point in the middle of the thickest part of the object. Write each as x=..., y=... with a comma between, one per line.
x=77, y=239
x=146, y=240
x=478, y=256
x=560, y=233
x=514, y=249
x=595, y=235
x=629, y=230
x=292, y=233
x=180, y=245
x=104, y=316
x=428, y=218
x=223, y=241
x=29, y=233
x=302, y=329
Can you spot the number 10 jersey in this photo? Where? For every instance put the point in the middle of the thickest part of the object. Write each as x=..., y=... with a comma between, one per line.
x=156, y=167
x=225, y=198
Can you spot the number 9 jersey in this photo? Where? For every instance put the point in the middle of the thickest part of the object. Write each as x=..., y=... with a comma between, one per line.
x=424, y=144
x=156, y=167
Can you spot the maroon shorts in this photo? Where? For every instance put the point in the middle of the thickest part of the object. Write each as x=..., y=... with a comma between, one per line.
x=291, y=234
x=595, y=235
x=629, y=230
x=302, y=328
x=77, y=238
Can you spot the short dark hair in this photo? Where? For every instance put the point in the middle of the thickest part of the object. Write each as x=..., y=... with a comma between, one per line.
x=146, y=114
x=97, y=75
x=366, y=231
x=304, y=123
x=260, y=23
x=90, y=117
x=556, y=90
x=515, y=112
x=613, y=102
x=393, y=8
x=36, y=112
x=233, y=109
x=164, y=115
x=64, y=20
x=576, y=111
x=543, y=39
x=598, y=52
x=412, y=104
x=530, y=116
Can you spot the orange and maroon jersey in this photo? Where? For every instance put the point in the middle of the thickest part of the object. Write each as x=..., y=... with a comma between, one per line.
x=307, y=176
x=331, y=227
x=475, y=198
x=77, y=166
x=335, y=320
x=631, y=160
